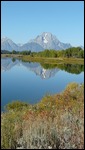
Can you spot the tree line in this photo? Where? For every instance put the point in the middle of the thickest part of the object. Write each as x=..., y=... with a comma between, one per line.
x=76, y=52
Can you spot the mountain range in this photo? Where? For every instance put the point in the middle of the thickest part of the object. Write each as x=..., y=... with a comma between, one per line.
x=44, y=41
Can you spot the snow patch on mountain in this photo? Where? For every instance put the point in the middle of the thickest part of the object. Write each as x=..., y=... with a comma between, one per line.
x=45, y=40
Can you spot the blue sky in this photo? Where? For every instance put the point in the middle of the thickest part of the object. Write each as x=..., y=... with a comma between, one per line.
x=24, y=20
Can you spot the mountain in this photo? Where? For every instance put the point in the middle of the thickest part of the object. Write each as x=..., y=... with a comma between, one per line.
x=49, y=41
x=8, y=44
x=44, y=41
x=19, y=44
x=34, y=47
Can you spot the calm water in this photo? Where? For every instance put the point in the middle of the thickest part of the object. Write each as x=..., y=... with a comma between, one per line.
x=29, y=82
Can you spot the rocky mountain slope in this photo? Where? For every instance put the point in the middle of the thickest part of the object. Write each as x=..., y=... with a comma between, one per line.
x=44, y=41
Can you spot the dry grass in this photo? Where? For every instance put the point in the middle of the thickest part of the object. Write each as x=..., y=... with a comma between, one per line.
x=56, y=122
x=45, y=59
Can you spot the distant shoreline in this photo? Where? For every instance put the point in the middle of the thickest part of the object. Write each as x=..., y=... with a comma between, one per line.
x=50, y=60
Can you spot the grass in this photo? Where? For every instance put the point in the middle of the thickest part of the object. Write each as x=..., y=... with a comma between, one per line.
x=45, y=59
x=53, y=60
x=56, y=122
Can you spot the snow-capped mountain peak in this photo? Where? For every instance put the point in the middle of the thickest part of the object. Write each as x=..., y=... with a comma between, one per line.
x=50, y=41
x=44, y=38
x=44, y=41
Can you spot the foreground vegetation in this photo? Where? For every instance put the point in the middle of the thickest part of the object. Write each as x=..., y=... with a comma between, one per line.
x=57, y=121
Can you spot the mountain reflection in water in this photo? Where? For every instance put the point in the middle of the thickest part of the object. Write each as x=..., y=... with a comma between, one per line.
x=45, y=71
x=29, y=81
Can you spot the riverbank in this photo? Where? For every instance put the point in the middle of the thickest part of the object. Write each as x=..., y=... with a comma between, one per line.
x=57, y=121
x=45, y=59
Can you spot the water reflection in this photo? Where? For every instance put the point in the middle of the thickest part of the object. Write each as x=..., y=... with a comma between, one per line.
x=29, y=82
x=8, y=63
x=71, y=68
x=45, y=71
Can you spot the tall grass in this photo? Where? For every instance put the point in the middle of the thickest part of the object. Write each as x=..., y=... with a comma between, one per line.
x=56, y=122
